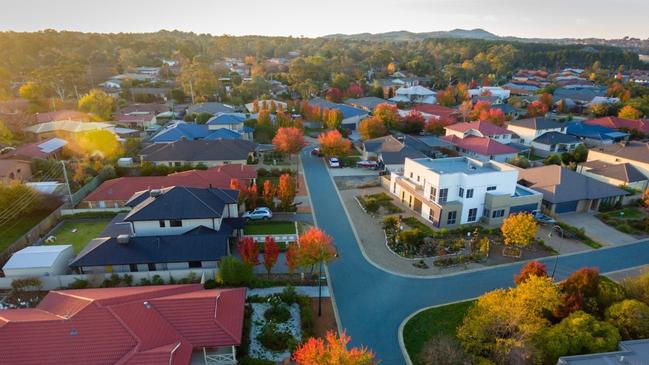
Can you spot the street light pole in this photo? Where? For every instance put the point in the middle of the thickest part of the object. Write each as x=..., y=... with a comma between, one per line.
x=556, y=258
x=320, y=291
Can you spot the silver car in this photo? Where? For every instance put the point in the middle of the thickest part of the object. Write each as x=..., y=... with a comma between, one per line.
x=258, y=214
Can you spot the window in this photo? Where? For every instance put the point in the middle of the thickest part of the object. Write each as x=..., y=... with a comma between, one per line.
x=443, y=195
x=491, y=188
x=411, y=175
x=162, y=223
x=132, y=267
x=151, y=267
x=433, y=193
x=417, y=178
x=175, y=223
x=469, y=193
x=473, y=214
x=177, y=164
x=498, y=213
x=461, y=193
x=452, y=216
x=194, y=264
x=485, y=212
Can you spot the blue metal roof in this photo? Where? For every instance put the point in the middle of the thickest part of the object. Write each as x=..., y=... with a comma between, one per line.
x=226, y=119
x=348, y=111
x=593, y=131
x=223, y=133
x=193, y=131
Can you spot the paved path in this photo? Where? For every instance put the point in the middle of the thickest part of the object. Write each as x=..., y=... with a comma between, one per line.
x=597, y=230
x=371, y=303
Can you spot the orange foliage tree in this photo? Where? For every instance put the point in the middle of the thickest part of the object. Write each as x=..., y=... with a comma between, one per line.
x=251, y=197
x=533, y=268
x=536, y=109
x=315, y=247
x=332, y=351
x=249, y=251
x=268, y=193
x=371, y=128
x=495, y=116
x=332, y=143
x=479, y=108
x=286, y=191
x=263, y=118
x=271, y=253
x=388, y=114
x=292, y=257
x=289, y=140
x=629, y=112
x=235, y=184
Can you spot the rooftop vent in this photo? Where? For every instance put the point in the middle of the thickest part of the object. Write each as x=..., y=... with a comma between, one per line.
x=147, y=305
x=73, y=332
x=123, y=239
x=155, y=193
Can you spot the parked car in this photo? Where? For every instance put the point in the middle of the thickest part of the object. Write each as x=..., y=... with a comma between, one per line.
x=542, y=218
x=316, y=152
x=257, y=214
x=334, y=162
x=368, y=164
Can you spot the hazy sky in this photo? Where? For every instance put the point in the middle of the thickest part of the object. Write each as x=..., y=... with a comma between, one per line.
x=524, y=18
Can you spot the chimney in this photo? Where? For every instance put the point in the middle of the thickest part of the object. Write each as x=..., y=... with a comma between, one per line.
x=123, y=239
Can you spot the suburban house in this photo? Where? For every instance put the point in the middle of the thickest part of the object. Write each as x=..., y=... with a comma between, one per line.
x=482, y=140
x=138, y=120
x=207, y=152
x=566, y=191
x=210, y=108
x=65, y=114
x=638, y=125
x=42, y=260
x=438, y=113
x=153, y=325
x=415, y=94
x=368, y=103
x=351, y=116
x=460, y=190
x=115, y=193
x=629, y=352
x=579, y=95
x=15, y=170
x=554, y=142
x=266, y=104
x=391, y=152
x=595, y=135
x=66, y=128
x=635, y=153
x=171, y=229
x=529, y=129
x=230, y=122
x=50, y=148
x=494, y=91
x=618, y=174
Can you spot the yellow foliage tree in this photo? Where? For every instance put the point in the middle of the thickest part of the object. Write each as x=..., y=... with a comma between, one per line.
x=629, y=112
x=519, y=229
x=98, y=103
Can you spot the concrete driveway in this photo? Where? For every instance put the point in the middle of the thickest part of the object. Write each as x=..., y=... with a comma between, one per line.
x=596, y=229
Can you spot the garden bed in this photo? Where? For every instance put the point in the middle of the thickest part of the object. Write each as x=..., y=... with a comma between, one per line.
x=371, y=204
x=630, y=220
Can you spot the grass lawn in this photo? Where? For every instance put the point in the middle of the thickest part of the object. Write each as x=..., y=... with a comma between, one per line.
x=438, y=321
x=10, y=233
x=86, y=231
x=269, y=227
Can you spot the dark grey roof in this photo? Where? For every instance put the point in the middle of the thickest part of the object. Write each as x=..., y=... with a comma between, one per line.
x=633, y=150
x=210, y=107
x=383, y=144
x=199, y=244
x=368, y=102
x=621, y=171
x=399, y=157
x=580, y=94
x=536, y=123
x=178, y=202
x=199, y=150
x=559, y=184
x=550, y=138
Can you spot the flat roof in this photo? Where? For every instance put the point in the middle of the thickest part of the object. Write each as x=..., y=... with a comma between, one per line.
x=454, y=165
x=36, y=256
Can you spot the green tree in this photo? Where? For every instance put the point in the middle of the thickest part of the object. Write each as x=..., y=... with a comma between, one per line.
x=233, y=272
x=553, y=159
x=6, y=137
x=631, y=317
x=580, y=153
x=98, y=103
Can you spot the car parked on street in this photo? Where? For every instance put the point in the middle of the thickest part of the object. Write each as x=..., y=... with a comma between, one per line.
x=334, y=162
x=258, y=214
x=316, y=152
x=373, y=165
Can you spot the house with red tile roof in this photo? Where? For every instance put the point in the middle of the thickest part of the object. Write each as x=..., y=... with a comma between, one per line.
x=480, y=128
x=639, y=125
x=438, y=113
x=115, y=192
x=49, y=148
x=149, y=325
x=481, y=140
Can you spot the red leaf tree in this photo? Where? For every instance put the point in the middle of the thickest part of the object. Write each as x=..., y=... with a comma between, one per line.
x=249, y=251
x=268, y=193
x=533, y=268
x=371, y=128
x=251, y=197
x=413, y=123
x=334, y=94
x=315, y=247
x=235, y=184
x=332, y=143
x=286, y=191
x=332, y=351
x=289, y=140
x=292, y=257
x=354, y=91
x=577, y=289
x=271, y=253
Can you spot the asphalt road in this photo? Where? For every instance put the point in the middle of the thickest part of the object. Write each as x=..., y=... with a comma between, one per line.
x=372, y=303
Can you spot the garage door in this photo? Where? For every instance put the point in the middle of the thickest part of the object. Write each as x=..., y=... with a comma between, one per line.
x=523, y=208
x=566, y=207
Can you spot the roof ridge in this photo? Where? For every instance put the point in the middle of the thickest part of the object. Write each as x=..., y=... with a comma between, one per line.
x=217, y=322
x=201, y=200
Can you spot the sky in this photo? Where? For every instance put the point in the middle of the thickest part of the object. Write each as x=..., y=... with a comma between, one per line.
x=521, y=18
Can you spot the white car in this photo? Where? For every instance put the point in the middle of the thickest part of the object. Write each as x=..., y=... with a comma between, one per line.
x=257, y=214
x=334, y=162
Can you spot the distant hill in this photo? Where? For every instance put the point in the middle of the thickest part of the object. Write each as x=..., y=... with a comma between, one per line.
x=631, y=44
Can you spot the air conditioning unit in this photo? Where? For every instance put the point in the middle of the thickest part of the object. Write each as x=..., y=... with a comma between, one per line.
x=154, y=193
x=123, y=239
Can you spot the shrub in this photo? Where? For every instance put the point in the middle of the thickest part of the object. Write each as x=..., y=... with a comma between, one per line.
x=277, y=313
x=638, y=287
x=631, y=317
x=442, y=350
x=289, y=295
x=274, y=339
x=145, y=281
x=210, y=284
x=262, y=172
x=78, y=284
x=609, y=292
x=128, y=279
x=233, y=272
x=306, y=317
x=157, y=280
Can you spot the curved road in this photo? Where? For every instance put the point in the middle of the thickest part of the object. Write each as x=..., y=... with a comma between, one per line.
x=372, y=303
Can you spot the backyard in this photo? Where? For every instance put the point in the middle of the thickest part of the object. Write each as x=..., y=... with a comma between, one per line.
x=78, y=233
x=19, y=227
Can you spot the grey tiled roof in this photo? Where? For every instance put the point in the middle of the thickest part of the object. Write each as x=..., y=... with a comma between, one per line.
x=550, y=138
x=199, y=150
x=536, y=123
x=621, y=171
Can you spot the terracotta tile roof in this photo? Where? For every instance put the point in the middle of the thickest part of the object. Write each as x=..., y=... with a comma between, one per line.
x=123, y=188
x=619, y=123
x=138, y=325
x=480, y=145
x=486, y=128
x=446, y=115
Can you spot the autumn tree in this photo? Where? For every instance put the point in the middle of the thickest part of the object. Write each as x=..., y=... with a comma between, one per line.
x=99, y=143
x=354, y=91
x=31, y=91
x=333, y=119
x=292, y=256
x=519, y=229
x=315, y=247
x=6, y=137
x=251, y=197
x=629, y=112
x=286, y=191
x=268, y=194
x=532, y=268
x=289, y=140
x=413, y=123
x=536, y=109
x=631, y=317
x=388, y=114
x=334, y=95
x=332, y=143
x=479, y=108
x=332, y=351
x=579, y=292
x=370, y=128
x=98, y=103
x=249, y=251
x=435, y=127
x=263, y=118
x=271, y=253
x=235, y=184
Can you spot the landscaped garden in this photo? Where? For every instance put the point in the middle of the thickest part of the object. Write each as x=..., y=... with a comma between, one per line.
x=374, y=203
x=632, y=219
x=77, y=233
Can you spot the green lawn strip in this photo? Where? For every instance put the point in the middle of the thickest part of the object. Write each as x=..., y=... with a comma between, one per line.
x=581, y=235
x=270, y=227
x=15, y=229
x=438, y=321
x=86, y=231
x=416, y=224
